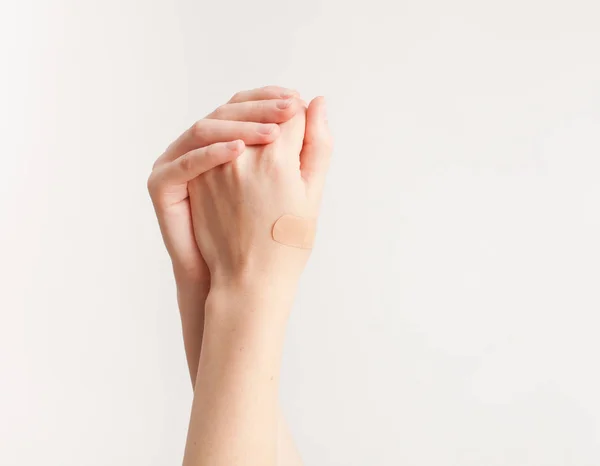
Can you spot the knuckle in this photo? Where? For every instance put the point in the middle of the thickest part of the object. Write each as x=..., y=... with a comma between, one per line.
x=236, y=97
x=186, y=162
x=199, y=130
x=217, y=114
x=151, y=184
x=208, y=153
x=258, y=111
x=259, y=106
x=214, y=154
x=275, y=168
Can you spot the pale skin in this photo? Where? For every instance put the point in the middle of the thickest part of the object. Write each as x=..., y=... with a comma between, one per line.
x=217, y=191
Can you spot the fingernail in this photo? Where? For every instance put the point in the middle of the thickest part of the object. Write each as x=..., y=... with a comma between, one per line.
x=283, y=104
x=266, y=129
x=233, y=145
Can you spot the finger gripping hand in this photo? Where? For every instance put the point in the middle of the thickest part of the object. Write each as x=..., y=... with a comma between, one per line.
x=256, y=215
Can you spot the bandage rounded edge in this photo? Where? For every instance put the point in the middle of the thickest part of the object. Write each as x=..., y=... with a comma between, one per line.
x=294, y=231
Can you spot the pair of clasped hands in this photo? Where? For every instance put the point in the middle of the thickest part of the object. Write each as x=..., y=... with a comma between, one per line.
x=230, y=176
x=219, y=187
x=219, y=191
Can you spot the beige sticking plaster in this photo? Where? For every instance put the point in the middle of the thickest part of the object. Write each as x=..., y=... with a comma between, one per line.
x=298, y=232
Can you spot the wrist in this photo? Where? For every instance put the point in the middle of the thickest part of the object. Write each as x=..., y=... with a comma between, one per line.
x=191, y=295
x=250, y=298
x=244, y=324
x=191, y=277
x=257, y=275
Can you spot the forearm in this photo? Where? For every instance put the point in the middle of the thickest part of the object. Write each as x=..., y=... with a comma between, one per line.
x=214, y=222
x=234, y=417
x=191, y=298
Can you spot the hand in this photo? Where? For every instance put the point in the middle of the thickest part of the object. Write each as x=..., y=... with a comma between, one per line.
x=249, y=116
x=235, y=205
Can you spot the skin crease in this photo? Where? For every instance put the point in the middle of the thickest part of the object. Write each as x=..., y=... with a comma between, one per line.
x=230, y=425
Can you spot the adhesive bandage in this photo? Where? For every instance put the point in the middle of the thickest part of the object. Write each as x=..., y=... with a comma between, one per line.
x=298, y=232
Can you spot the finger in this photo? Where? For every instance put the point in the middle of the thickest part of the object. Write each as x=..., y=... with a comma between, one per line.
x=260, y=111
x=318, y=145
x=194, y=163
x=263, y=93
x=206, y=132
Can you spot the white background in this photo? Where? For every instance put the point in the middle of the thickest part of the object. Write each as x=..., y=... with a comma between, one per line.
x=450, y=313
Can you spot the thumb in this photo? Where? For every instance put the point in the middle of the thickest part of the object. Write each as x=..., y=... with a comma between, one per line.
x=317, y=147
